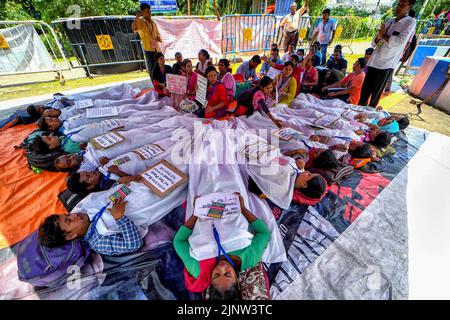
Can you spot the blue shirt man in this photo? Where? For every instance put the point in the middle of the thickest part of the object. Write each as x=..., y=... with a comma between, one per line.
x=248, y=68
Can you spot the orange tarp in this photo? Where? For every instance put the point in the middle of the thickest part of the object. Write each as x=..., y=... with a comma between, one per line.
x=26, y=198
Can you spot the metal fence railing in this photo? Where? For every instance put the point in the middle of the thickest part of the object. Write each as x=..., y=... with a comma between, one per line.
x=30, y=47
x=247, y=33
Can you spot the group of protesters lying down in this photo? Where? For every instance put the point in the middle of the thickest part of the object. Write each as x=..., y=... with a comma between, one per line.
x=311, y=144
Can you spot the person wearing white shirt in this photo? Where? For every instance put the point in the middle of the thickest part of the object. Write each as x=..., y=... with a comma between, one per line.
x=287, y=56
x=290, y=23
x=325, y=34
x=390, y=43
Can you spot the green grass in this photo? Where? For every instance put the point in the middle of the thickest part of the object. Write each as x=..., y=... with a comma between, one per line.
x=36, y=89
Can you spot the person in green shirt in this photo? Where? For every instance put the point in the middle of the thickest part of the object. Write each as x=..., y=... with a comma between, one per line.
x=224, y=278
x=46, y=143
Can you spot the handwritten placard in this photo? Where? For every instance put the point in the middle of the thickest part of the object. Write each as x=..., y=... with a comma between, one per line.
x=202, y=85
x=162, y=178
x=107, y=140
x=259, y=151
x=112, y=124
x=149, y=151
x=272, y=73
x=83, y=104
x=217, y=205
x=93, y=113
x=326, y=121
x=176, y=84
x=285, y=133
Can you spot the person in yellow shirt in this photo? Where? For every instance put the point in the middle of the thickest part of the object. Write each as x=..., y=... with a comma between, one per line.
x=149, y=33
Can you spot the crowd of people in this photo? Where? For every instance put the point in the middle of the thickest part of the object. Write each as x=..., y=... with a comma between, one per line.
x=298, y=91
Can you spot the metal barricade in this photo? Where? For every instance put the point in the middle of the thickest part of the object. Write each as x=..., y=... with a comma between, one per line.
x=18, y=46
x=247, y=33
x=346, y=30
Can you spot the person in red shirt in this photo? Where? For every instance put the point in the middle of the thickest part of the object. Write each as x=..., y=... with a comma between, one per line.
x=216, y=95
x=351, y=85
x=310, y=77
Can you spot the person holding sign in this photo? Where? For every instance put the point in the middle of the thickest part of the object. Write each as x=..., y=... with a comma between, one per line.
x=257, y=99
x=274, y=57
x=159, y=75
x=187, y=70
x=216, y=96
x=220, y=274
x=58, y=230
x=227, y=78
x=286, y=85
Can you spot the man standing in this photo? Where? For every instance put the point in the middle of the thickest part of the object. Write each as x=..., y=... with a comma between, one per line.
x=148, y=31
x=325, y=34
x=290, y=24
x=390, y=43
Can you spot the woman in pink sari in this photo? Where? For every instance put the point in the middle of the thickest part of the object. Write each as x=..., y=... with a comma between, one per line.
x=227, y=79
x=191, y=86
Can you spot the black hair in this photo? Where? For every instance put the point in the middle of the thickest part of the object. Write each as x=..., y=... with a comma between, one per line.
x=256, y=59
x=50, y=233
x=205, y=53
x=383, y=139
x=178, y=53
x=74, y=184
x=316, y=44
x=55, y=164
x=276, y=50
x=338, y=46
x=158, y=55
x=42, y=125
x=315, y=187
x=327, y=11
x=265, y=81
x=362, y=62
x=369, y=51
x=145, y=6
x=403, y=122
x=185, y=62
x=325, y=160
x=274, y=44
x=31, y=109
x=39, y=146
x=362, y=151
x=296, y=58
x=230, y=294
x=225, y=62
x=302, y=51
x=292, y=44
x=412, y=13
x=209, y=69
x=338, y=50
x=289, y=63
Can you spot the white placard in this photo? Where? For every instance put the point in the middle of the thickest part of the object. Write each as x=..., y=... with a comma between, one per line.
x=107, y=140
x=285, y=133
x=229, y=200
x=163, y=177
x=93, y=113
x=176, y=84
x=149, y=151
x=260, y=151
x=112, y=124
x=326, y=121
x=272, y=73
x=202, y=86
x=83, y=104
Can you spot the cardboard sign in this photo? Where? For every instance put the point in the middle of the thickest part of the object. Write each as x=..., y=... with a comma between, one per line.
x=113, y=124
x=217, y=205
x=83, y=104
x=93, y=113
x=272, y=73
x=149, y=151
x=285, y=133
x=104, y=42
x=122, y=192
x=326, y=121
x=202, y=86
x=259, y=151
x=162, y=178
x=107, y=140
x=3, y=43
x=176, y=84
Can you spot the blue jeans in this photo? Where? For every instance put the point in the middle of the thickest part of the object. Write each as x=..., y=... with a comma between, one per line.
x=323, y=50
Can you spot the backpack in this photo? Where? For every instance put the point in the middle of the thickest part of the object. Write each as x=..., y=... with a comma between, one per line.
x=69, y=199
x=48, y=267
x=41, y=161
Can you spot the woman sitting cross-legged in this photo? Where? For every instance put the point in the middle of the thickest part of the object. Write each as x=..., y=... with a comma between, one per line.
x=216, y=96
x=221, y=274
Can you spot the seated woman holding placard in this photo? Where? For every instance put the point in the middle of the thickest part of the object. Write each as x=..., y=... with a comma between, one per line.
x=220, y=274
x=159, y=75
x=216, y=96
x=191, y=84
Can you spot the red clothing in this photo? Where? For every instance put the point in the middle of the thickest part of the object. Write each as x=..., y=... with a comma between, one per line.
x=310, y=74
x=219, y=95
x=354, y=81
x=297, y=74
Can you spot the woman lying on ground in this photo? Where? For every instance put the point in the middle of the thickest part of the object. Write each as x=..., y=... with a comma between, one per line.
x=223, y=273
